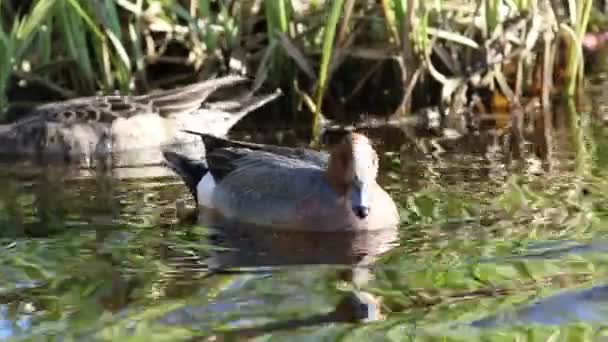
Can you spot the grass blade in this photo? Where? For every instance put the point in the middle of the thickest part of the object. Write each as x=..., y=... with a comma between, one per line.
x=328, y=46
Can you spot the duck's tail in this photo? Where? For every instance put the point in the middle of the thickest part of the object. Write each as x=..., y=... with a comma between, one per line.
x=190, y=170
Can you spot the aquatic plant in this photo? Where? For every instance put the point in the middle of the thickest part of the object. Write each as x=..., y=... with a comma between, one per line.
x=508, y=48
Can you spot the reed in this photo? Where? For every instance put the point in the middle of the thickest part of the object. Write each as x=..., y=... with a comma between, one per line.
x=579, y=19
x=328, y=49
x=83, y=47
x=278, y=17
x=15, y=43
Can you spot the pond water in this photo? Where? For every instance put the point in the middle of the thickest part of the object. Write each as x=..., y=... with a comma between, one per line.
x=489, y=247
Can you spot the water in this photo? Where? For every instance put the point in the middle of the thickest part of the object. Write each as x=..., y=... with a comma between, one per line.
x=489, y=247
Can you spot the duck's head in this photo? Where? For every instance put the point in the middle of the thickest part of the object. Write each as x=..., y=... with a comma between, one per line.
x=352, y=171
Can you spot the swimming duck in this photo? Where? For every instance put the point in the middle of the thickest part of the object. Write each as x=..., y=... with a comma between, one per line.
x=129, y=129
x=289, y=188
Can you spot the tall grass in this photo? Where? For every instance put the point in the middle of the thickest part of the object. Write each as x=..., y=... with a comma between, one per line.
x=278, y=15
x=82, y=47
x=87, y=34
x=579, y=19
x=328, y=48
x=15, y=43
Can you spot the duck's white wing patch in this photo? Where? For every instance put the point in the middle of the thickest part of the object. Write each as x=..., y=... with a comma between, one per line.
x=204, y=191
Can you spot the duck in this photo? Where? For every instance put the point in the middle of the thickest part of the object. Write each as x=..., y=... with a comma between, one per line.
x=127, y=131
x=289, y=188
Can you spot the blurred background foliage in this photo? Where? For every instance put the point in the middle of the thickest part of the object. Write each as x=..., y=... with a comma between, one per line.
x=403, y=54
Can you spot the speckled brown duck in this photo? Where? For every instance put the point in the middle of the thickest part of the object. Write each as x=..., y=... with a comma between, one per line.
x=127, y=130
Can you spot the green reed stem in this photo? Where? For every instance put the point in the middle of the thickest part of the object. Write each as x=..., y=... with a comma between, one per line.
x=580, y=13
x=328, y=45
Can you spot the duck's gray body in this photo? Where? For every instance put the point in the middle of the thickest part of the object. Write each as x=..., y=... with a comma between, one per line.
x=121, y=131
x=282, y=188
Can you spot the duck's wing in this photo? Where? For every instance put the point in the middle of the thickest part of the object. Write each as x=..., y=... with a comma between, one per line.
x=98, y=109
x=228, y=160
x=189, y=98
x=264, y=188
x=106, y=109
x=229, y=150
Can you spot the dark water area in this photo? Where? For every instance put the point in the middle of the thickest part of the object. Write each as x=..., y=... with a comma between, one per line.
x=489, y=247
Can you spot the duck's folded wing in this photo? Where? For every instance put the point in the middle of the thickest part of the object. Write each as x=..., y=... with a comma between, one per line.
x=266, y=189
x=233, y=149
x=102, y=109
x=189, y=98
x=229, y=160
x=105, y=109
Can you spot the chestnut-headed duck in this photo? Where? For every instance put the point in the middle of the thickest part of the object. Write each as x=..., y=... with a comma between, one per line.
x=289, y=188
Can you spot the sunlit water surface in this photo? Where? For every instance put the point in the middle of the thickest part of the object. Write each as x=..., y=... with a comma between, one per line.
x=488, y=246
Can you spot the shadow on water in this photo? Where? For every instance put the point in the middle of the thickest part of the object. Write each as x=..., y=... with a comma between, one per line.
x=488, y=244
